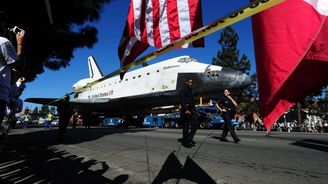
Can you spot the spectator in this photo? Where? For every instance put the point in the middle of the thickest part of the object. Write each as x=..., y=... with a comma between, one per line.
x=79, y=120
x=48, y=121
x=87, y=117
x=325, y=126
x=26, y=120
x=74, y=119
x=64, y=112
x=9, y=58
x=14, y=103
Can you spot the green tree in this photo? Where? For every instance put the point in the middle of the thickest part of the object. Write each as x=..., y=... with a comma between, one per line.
x=44, y=110
x=35, y=110
x=325, y=94
x=51, y=44
x=228, y=56
x=252, y=89
x=320, y=99
x=53, y=110
x=249, y=102
x=320, y=93
x=35, y=113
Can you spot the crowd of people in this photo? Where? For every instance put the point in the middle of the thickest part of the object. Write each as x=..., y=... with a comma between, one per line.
x=310, y=123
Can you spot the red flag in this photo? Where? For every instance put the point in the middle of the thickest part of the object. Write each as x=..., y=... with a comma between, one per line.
x=158, y=23
x=291, y=50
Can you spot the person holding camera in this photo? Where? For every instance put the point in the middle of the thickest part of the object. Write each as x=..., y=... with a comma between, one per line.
x=227, y=106
x=9, y=62
x=189, y=117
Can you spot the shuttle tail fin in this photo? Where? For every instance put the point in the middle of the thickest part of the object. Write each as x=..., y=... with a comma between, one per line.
x=94, y=71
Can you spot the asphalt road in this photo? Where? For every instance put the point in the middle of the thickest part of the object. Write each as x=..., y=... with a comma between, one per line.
x=109, y=155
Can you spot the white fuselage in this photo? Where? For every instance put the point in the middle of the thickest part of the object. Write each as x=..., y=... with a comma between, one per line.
x=155, y=78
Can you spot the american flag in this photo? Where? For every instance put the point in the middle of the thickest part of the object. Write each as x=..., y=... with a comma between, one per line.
x=158, y=23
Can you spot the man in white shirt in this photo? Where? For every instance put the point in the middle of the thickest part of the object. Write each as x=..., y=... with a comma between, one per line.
x=8, y=57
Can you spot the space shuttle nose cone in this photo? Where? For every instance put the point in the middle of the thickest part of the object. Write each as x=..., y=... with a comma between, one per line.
x=243, y=80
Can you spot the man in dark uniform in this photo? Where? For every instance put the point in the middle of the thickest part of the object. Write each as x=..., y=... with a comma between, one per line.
x=189, y=118
x=228, y=108
x=64, y=112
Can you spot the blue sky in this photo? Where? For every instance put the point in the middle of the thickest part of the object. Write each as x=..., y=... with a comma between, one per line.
x=110, y=28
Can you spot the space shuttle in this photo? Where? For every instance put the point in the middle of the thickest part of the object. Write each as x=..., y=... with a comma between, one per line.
x=149, y=87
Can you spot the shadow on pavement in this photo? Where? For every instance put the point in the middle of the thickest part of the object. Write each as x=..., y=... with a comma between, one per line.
x=173, y=169
x=74, y=136
x=313, y=144
x=28, y=158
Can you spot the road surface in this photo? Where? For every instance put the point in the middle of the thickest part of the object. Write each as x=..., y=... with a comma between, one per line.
x=153, y=155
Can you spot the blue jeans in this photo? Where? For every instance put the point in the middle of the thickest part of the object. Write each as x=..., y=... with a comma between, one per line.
x=25, y=124
x=47, y=124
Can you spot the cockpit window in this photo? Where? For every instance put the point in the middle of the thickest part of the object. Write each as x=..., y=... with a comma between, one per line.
x=187, y=60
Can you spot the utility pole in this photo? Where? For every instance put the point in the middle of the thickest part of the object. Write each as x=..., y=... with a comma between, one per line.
x=299, y=116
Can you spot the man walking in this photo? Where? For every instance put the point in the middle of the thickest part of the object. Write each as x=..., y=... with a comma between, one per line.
x=189, y=118
x=228, y=108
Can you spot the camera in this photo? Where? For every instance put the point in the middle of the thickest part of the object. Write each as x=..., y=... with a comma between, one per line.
x=16, y=30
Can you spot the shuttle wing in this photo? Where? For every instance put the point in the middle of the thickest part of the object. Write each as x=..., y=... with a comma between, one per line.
x=55, y=101
x=44, y=101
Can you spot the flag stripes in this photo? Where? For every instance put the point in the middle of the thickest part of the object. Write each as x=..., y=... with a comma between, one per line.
x=158, y=23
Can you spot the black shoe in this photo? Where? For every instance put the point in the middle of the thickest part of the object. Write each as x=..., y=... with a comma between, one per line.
x=186, y=145
x=180, y=139
x=237, y=140
x=60, y=140
x=2, y=149
x=223, y=140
